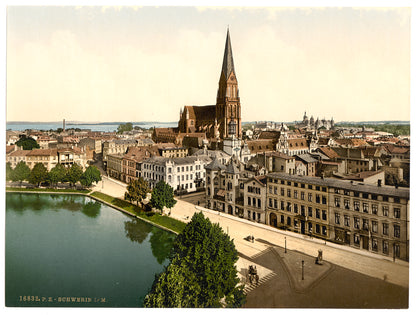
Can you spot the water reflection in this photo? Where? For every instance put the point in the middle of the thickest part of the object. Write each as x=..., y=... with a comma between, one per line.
x=161, y=243
x=137, y=230
x=91, y=209
x=52, y=202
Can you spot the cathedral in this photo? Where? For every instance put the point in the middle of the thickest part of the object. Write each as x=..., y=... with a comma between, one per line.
x=223, y=120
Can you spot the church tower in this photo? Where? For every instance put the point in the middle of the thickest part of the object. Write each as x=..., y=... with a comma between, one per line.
x=228, y=109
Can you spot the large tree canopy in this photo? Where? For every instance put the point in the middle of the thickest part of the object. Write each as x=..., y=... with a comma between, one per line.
x=21, y=172
x=27, y=143
x=91, y=174
x=137, y=190
x=74, y=174
x=124, y=127
x=162, y=196
x=202, y=272
x=38, y=174
x=57, y=174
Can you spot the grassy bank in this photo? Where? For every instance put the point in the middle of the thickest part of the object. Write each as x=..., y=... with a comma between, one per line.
x=155, y=218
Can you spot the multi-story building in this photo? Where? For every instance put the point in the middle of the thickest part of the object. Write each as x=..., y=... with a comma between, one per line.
x=69, y=156
x=255, y=199
x=185, y=174
x=115, y=166
x=16, y=156
x=116, y=147
x=224, y=189
x=48, y=157
x=368, y=217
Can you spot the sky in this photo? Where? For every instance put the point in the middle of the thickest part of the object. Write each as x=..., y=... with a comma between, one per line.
x=145, y=63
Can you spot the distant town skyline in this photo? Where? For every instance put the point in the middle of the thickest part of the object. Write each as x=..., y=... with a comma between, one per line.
x=145, y=63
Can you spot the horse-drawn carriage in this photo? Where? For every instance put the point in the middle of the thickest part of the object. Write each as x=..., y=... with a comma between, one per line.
x=252, y=274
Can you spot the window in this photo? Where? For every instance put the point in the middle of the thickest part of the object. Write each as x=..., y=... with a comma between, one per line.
x=288, y=193
x=270, y=203
x=323, y=200
x=374, y=209
x=317, y=188
x=259, y=203
x=282, y=205
x=374, y=226
x=275, y=203
x=397, y=213
x=254, y=202
x=365, y=224
x=310, y=197
x=295, y=207
x=324, y=230
x=396, y=248
x=309, y=211
x=346, y=192
x=275, y=190
x=282, y=219
x=324, y=189
x=386, y=211
x=324, y=215
x=365, y=207
x=347, y=204
x=357, y=239
x=385, y=229
x=365, y=195
x=318, y=213
x=302, y=195
x=337, y=221
x=356, y=205
x=385, y=247
x=310, y=227
x=282, y=191
x=318, y=199
x=336, y=190
x=356, y=223
x=386, y=198
x=337, y=202
x=318, y=229
x=396, y=230
x=374, y=245
x=249, y=201
x=295, y=194
x=356, y=194
x=295, y=223
x=346, y=220
x=288, y=221
x=289, y=207
x=270, y=189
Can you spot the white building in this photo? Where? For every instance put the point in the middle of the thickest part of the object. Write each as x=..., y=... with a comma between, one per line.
x=182, y=174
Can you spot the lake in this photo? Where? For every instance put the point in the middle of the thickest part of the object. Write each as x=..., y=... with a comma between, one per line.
x=70, y=250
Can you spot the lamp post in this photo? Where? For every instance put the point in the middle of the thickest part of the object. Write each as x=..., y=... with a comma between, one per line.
x=303, y=265
x=285, y=245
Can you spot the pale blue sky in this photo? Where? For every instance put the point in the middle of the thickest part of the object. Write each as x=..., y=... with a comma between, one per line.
x=145, y=63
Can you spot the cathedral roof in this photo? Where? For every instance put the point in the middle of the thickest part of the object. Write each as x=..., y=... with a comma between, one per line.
x=228, y=62
x=201, y=113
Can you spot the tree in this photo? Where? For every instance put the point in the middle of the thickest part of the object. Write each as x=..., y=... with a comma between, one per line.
x=137, y=190
x=38, y=174
x=9, y=171
x=57, y=174
x=27, y=143
x=203, y=259
x=74, y=174
x=124, y=127
x=91, y=174
x=162, y=196
x=20, y=173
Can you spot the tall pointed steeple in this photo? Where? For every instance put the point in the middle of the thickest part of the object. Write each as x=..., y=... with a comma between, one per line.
x=228, y=62
x=228, y=109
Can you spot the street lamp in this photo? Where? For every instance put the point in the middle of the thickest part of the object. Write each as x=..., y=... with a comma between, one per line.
x=285, y=245
x=303, y=267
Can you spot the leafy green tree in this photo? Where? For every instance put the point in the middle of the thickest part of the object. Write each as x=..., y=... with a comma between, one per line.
x=124, y=127
x=27, y=143
x=176, y=287
x=20, y=173
x=162, y=196
x=38, y=174
x=91, y=174
x=9, y=171
x=137, y=190
x=74, y=174
x=203, y=259
x=57, y=174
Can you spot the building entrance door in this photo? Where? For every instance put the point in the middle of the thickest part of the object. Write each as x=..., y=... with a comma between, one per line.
x=365, y=242
x=302, y=227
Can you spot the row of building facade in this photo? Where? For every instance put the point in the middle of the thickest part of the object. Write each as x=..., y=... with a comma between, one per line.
x=374, y=218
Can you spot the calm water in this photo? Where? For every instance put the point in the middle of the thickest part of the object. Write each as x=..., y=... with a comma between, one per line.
x=94, y=127
x=68, y=247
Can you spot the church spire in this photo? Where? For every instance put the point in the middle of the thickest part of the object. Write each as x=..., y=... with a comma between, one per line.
x=228, y=62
